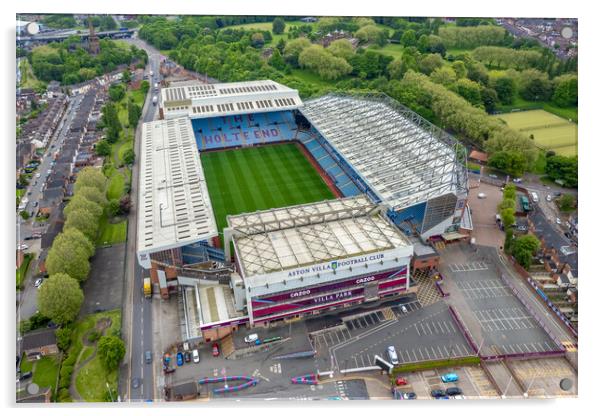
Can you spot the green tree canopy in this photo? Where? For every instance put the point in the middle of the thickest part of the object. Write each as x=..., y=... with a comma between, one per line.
x=83, y=221
x=341, y=48
x=430, y=62
x=111, y=351
x=566, y=202
x=317, y=59
x=60, y=298
x=69, y=254
x=278, y=25
x=79, y=202
x=293, y=49
x=92, y=194
x=523, y=249
x=102, y=148
x=92, y=177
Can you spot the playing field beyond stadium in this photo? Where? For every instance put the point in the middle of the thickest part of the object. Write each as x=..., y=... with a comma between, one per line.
x=257, y=178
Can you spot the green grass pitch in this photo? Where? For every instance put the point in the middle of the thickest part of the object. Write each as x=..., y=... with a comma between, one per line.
x=258, y=178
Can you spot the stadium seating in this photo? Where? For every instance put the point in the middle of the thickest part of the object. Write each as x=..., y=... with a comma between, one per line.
x=244, y=130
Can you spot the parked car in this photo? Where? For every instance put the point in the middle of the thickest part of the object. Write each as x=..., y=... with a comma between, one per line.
x=23, y=247
x=392, y=355
x=481, y=195
x=558, y=221
x=517, y=180
x=148, y=357
x=401, y=381
x=180, y=359
x=409, y=396
x=215, y=350
x=38, y=175
x=493, y=176
x=38, y=282
x=548, y=198
x=438, y=393
x=187, y=356
x=168, y=370
x=449, y=377
x=25, y=376
x=404, y=309
x=195, y=356
x=35, y=204
x=251, y=338
x=453, y=391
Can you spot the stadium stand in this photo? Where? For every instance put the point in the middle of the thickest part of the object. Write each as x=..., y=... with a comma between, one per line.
x=244, y=130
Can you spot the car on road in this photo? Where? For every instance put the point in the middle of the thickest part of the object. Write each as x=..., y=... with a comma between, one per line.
x=251, y=338
x=409, y=395
x=49, y=171
x=401, y=381
x=135, y=382
x=557, y=193
x=23, y=247
x=180, y=359
x=38, y=175
x=517, y=180
x=35, y=204
x=187, y=356
x=392, y=355
x=481, y=195
x=195, y=356
x=549, y=198
x=453, y=391
x=148, y=357
x=29, y=193
x=438, y=393
x=449, y=377
x=38, y=282
x=558, y=221
x=215, y=350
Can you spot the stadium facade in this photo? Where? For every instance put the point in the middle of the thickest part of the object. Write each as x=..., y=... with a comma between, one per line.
x=402, y=182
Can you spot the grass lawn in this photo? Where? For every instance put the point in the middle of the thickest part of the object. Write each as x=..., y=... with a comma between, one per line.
x=391, y=49
x=570, y=113
x=257, y=178
x=46, y=372
x=22, y=270
x=121, y=149
x=116, y=186
x=313, y=78
x=26, y=365
x=109, y=233
x=549, y=130
x=91, y=379
x=28, y=79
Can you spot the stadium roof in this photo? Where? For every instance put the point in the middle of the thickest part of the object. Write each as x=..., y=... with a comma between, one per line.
x=199, y=100
x=291, y=237
x=402, y=157
x=174, y=205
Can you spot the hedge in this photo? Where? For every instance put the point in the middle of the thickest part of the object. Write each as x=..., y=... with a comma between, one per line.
x=428, y=365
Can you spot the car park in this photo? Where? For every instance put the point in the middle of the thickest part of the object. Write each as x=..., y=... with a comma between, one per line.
x=215, y=350
x=449, y=377
x=404, y=309
x=195, y=356
x=453, y=391
x=401, y=381
x=187, y=356
x=438, y=393
x=251, y=338
x=392, y=355
x=180, y=359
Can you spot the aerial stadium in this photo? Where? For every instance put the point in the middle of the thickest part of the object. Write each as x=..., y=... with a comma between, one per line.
x=256, y=207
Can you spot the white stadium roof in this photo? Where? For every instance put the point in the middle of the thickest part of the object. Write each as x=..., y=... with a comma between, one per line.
x=402, y=157
x=174, y=205
x=199, y=100
x=291, y=237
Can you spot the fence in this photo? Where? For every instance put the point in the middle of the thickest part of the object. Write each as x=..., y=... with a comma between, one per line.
x=460, y=325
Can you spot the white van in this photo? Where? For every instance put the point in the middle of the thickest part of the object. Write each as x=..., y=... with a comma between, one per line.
x=392, y=355
x=535, y=197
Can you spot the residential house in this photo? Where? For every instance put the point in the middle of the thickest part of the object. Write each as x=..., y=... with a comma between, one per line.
x=39, y=342
x=478, y=157
x=51, y=199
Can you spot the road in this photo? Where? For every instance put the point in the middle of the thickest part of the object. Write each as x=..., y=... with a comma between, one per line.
x=28, y=296
x=137, y=309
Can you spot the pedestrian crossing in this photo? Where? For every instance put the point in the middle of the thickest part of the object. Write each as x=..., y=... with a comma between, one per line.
x=570, y=347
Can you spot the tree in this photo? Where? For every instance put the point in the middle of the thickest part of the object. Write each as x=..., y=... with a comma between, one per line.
x=505, y=204
x=489, y=99
x=371, y=33
x=510, y=191
x=91, y=177
x=277, y=61
x=294, y=48
x=408, y=38
x=113, y=208
x=505, y=89
x=507, y=215
x=24, y=214
x=534, y=85
x=566, y=202
x=79, y=202
x=60, y=298
x=511, y=162
x=93, y=194
x=430, y=62
x=63, y=338
x=69, y=259
x=317, y=59
x=126, y=76
x=460, y=69
x=396, y=69
x=111, y=351
x=116, y=92
x=257, y=40
x=129, y=156
x=124, y=204
x=444, y=76
x=144, y=86
x=341, y=48
x=563, y=168
x=102, y=148
x=566, y=90
x=278, y=25
x=134, y=113
x=83, y=221
x=469, y=90
x=523, y=249
x=281, y=45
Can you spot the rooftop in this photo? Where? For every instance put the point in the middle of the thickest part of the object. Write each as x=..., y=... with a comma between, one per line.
x=291, y=237
x=199, y=100
x=174, y=204
x=405, y=159
x=38, y=338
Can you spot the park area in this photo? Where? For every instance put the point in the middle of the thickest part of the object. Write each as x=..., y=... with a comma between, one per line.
x=549, y=131
x=258, y=178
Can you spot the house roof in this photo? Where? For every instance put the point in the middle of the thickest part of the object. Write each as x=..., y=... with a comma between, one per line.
x=480, y=156
x=39, y=338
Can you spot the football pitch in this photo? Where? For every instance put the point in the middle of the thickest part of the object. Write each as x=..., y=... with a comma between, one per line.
x=549, y=131
x=258, y=178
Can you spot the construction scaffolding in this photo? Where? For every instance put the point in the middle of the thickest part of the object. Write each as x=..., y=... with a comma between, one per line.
x=404, y=158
